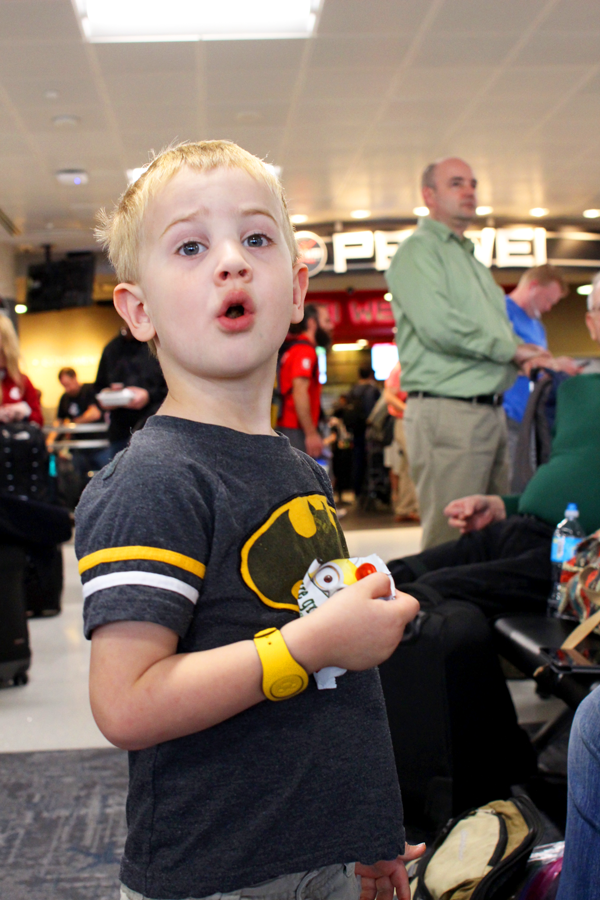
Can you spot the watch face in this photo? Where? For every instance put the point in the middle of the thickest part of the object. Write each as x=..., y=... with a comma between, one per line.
x=287, y=686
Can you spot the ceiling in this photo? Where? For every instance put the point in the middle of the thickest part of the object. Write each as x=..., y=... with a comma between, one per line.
x=352, y=114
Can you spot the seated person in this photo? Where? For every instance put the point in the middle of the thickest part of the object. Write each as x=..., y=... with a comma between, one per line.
x=20, y=401
x=78, y=403
x=580, y=875
x=501, y=562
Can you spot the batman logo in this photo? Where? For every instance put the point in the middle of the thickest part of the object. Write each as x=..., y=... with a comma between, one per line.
x=275, y=558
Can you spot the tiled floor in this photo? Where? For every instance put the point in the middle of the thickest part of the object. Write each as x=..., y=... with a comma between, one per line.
x=52, y=711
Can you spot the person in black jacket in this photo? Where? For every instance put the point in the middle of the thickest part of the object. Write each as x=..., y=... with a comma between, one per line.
x=127, y=363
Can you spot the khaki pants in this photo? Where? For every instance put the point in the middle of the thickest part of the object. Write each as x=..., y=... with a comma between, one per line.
x=455, y=449
x=337, y=882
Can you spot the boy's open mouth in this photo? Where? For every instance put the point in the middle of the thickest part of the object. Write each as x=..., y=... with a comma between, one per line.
x=234, y=312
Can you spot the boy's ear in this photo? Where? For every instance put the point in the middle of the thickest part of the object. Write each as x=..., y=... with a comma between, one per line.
x=300, y=271
x=130, y=303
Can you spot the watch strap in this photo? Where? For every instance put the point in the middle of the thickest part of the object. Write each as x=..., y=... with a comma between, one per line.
x=283, y=677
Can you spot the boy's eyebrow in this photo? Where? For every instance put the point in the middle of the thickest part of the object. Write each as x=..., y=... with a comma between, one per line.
x=247, y=213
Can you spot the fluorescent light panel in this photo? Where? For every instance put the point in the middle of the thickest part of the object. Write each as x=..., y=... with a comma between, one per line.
x=117, y=21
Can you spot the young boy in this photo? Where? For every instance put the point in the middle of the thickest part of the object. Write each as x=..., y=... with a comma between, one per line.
x=195, y=539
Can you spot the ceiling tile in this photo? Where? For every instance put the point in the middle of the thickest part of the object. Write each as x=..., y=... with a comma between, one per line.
x=465, y=49
x=382, y=17
x=569, y=47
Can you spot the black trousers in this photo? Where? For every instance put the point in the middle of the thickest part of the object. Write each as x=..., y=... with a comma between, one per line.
x=502, y=569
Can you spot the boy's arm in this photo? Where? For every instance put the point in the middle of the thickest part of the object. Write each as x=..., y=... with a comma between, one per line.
x=142, y=692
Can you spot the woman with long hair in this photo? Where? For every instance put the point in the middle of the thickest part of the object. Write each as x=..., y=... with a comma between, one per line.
x=20, y=401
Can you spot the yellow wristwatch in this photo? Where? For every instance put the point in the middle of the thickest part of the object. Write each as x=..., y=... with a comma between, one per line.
x=283, y=677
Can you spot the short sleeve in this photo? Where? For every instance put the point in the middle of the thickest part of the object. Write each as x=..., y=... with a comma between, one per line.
x=301, y=362
x=143, y=537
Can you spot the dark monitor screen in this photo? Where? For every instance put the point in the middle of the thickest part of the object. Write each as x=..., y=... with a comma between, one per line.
x=62, y=284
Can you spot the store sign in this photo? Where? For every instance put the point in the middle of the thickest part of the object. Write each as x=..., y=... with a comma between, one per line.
x=515, y=247
x=313, y=251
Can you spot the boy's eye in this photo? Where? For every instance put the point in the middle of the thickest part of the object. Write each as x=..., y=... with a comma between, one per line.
x=190, y=248
x=257, y=240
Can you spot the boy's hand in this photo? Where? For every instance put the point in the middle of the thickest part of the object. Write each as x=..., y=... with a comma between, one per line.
x=388, y=875
x=475, y=512
x=353, y=630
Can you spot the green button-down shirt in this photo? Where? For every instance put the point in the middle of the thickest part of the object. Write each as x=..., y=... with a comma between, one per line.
x=454, y=337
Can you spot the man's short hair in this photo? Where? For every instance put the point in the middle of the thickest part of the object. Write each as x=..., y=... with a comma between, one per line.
x=545, y=275
x=311, y=311
x=428, y=176
x=366, y=372
x=120, y=231
x=68, y=371
x=593, y=302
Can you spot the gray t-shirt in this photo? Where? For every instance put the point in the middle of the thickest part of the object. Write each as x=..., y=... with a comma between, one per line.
x=209, y=531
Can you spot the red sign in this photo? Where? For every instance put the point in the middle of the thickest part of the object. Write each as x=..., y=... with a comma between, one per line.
x=362, y=314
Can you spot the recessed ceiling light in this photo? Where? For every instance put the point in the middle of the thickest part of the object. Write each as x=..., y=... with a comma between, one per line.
x=276, y=170
x=388, y=297
x=20, y=308
x=484, y=210
x=109, y=21
x=591, y=213
x=51, y=94
x=538, y=211
x=65, y=121
x=134, y=174
x=421, y=211
x=299, y=219
x=72, y=177
x=585, y=289
x=360, y=213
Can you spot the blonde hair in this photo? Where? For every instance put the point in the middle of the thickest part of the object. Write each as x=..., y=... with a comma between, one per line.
x=544, y=275
x=120, y=231
x=9, y=345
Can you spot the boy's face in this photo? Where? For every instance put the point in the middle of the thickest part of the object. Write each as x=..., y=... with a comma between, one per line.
x=217, y=285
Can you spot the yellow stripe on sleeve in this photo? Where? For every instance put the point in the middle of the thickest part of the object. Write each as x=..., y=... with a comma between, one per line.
x=156, y=554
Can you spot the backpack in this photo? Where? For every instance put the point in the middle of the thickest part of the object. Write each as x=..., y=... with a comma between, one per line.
x=278, y=396
x=535, y=436
x=480, y=854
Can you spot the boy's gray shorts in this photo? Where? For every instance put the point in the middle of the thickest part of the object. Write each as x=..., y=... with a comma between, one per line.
x=329, y=883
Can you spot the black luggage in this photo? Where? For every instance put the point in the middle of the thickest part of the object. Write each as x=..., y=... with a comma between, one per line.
x=15, y=655
x=24, y=462
x=43, y=581
x=454, y=728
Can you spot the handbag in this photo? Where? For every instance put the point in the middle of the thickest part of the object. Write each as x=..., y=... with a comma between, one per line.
x=579, y=589
x=480, y=854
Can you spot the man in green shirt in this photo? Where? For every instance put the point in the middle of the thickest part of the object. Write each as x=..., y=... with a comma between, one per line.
x=457, y=349
x=501, y=562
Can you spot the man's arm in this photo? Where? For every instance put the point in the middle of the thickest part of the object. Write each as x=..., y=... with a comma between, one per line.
x=393, y=399
x=142, y=692
x=91, y=414
x=301, y=397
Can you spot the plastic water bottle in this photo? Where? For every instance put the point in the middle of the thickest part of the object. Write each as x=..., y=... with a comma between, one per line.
x=567, y=536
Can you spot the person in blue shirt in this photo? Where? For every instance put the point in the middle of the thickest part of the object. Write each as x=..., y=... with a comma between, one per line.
x=538, y=290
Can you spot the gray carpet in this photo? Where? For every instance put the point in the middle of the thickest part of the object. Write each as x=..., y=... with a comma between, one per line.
x=62, y=824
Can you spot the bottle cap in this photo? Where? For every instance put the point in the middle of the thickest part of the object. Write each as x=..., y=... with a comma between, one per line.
x=571, y=510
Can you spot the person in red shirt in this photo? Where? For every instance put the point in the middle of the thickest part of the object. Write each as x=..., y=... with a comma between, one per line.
x=20, y=400
x=404, y=495
x=299, y=380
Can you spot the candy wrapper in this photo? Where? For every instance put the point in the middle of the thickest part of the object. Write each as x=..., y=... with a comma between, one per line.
x=323, y=580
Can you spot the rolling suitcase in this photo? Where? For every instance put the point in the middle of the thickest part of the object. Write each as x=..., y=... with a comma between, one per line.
x=454, y=729
x=15, y=655
x=43, y=581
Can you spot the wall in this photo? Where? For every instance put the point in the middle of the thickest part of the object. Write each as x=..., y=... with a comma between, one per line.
x=69, y=337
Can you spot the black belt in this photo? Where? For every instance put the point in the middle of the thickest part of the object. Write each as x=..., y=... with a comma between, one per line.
x=485, y=399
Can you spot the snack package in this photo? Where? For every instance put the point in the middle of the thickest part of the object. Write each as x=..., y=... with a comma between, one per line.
x=323, y=580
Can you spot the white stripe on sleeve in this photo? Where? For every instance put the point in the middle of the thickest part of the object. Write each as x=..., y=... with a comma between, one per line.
x=151, y=579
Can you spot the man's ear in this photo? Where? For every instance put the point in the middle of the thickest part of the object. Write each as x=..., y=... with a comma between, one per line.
x=300, y=287
x=130, y=303
x=428, y=196
x=591, y=327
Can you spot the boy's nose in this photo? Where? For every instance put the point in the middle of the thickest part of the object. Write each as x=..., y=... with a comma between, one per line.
x=232, y=265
